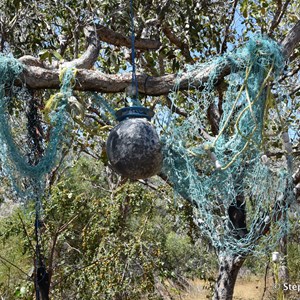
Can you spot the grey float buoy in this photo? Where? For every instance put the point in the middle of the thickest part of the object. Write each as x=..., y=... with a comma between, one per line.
x=133, y=146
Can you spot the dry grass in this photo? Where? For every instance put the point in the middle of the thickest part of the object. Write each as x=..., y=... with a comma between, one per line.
x=245, y=289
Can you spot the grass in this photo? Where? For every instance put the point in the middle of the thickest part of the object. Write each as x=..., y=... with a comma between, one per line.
x=251, y=288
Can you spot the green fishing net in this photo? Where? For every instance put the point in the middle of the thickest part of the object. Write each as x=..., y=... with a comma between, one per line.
x=241, y=198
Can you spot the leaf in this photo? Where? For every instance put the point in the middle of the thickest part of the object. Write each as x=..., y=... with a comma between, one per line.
x=244, y=8
x=57, y=55
x=44, y=54
x=51, y=104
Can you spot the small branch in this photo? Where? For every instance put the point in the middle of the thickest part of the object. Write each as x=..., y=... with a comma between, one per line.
x=99, y=121
x=290, y=74
x=275, y=21
x=26, y=233
x=295, y=90
x=213, y=117
x=117, y=39
x=15, y=266
x=296, y=176
x=148, y=184
x=174, y=108
x=224, y=43
x=177, y=42
x=296, y=181
x=265, y=280
x=278, y=15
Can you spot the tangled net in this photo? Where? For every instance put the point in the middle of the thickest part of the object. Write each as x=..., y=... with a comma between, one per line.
x=15, y=164
x=240, y=197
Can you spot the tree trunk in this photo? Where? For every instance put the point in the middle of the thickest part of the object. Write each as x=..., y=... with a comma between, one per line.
x=229, y=266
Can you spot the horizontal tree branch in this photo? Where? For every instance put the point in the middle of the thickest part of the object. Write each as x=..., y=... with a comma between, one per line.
x=36, y=76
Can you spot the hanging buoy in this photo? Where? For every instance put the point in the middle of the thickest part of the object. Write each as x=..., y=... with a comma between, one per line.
x=133, y=146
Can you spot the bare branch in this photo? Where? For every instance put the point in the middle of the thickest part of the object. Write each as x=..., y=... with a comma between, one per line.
x=296, y=176
x=90, y=80
x=224, y=43
x=279, y=14
x=296, y=181
x=87, y=60
x=12, y=264
x=295, y=90
x=174, y=108
x=117, y=39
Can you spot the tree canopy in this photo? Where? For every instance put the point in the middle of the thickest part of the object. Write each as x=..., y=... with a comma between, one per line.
x=176, y=44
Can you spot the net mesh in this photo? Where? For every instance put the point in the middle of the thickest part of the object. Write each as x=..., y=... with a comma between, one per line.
x=240, y=196
x=16, y=165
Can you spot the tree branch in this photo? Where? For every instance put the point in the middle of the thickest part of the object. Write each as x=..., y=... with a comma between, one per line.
x=296, y=181
x=87, y=60
x=291, y=40
x=224, y=43
x=117, y=39
x=37, y=77
x=15, y=266
x=177, y=42
x=279, y=14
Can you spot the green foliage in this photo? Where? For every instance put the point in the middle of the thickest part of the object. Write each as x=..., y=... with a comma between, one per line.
x=15, y=256
x=103, y=237
x=104, y=243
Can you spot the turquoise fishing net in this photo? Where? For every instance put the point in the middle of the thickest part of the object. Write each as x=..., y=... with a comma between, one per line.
x=14, y=161
x=241, y=197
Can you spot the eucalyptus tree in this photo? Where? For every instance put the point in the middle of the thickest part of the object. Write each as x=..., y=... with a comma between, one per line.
x=94, y=37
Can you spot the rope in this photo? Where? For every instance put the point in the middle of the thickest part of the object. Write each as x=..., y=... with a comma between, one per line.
x=133, y=54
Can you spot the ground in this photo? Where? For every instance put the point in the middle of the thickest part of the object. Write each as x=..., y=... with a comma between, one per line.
x=247, y=288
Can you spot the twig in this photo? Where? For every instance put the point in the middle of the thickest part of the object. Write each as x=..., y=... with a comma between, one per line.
x=177, y=42
x=174, y=108
x=224, y=46
x=12, y=264
x=265, y=280
x=278, y=15
x=26, y=233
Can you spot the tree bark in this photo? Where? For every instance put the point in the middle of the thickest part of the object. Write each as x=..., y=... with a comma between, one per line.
x=229, y=266
x=38, y=76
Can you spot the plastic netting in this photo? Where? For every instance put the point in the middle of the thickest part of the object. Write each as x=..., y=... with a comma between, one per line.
x=241, y=198
x=15, y=163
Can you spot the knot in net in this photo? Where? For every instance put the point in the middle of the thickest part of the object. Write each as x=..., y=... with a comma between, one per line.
x=239, y=197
